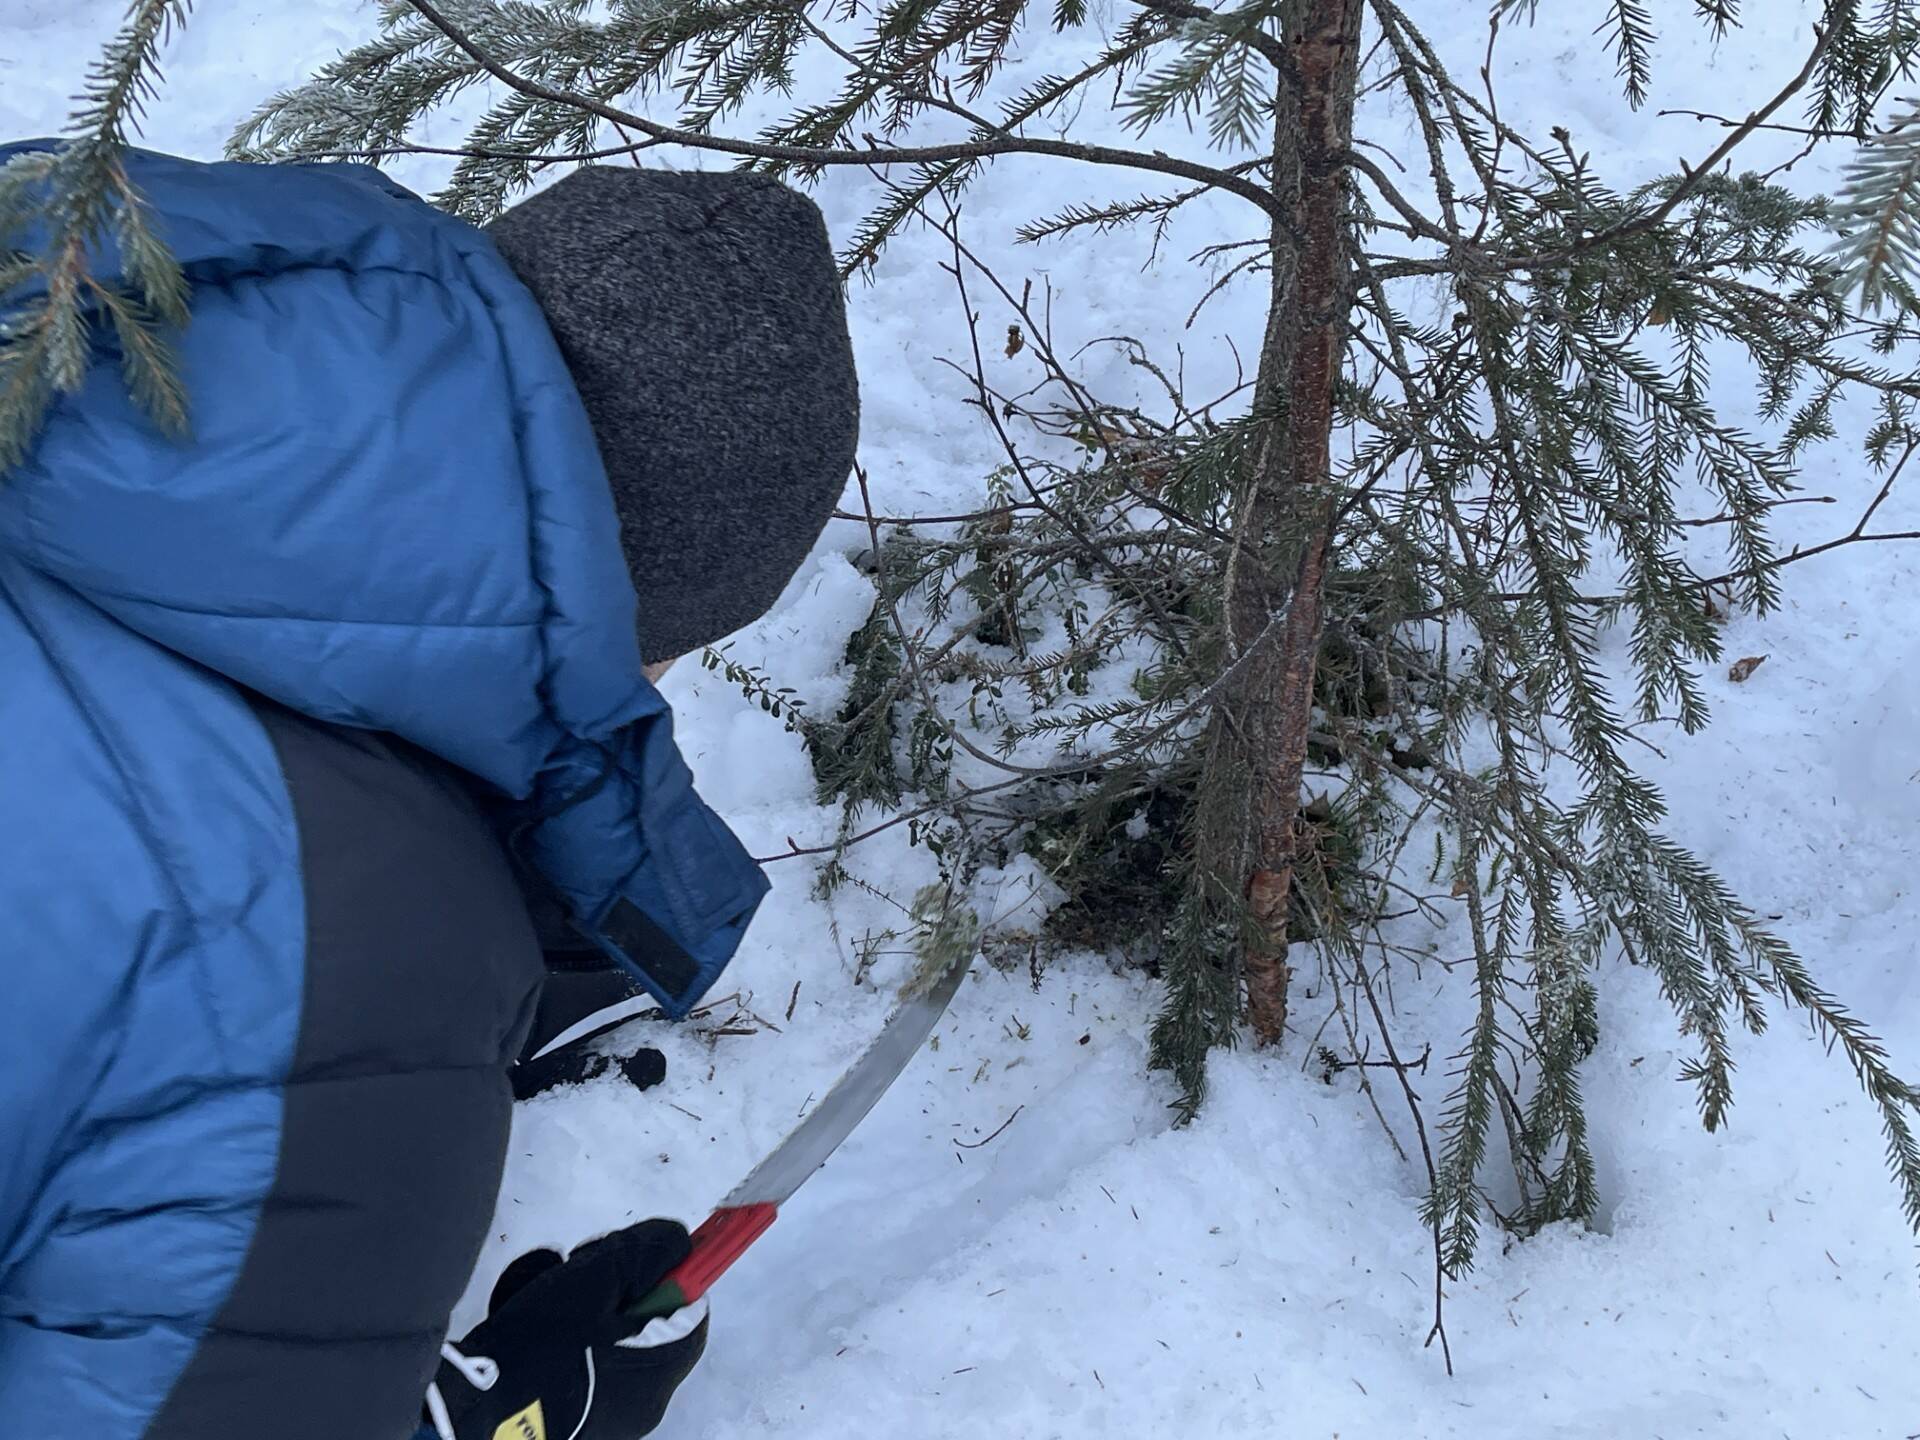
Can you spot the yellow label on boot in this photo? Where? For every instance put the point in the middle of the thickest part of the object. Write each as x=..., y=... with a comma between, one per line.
x=529, y=1424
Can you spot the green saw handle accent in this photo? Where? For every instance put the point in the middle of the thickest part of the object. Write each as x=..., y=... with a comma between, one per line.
x=663, y=1299
x=723, y=1237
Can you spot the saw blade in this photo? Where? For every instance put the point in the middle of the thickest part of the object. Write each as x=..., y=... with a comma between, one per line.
x=789, y=1164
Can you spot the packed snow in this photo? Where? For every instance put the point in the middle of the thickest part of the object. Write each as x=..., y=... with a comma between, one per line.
x=1017, y=1242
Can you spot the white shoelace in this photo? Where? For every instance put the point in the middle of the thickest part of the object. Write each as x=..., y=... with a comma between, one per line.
x=586, y=1410
x=477, y=1370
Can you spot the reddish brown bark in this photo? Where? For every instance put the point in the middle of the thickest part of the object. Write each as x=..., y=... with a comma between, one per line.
x=1288, y=517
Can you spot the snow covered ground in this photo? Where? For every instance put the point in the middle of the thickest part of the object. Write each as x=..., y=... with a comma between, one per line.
x=1087, y=1271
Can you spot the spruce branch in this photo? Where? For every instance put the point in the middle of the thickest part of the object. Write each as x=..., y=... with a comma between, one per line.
x=1631, y=29
x=807, y=157
x=1878, y=213
x=1249, y=24
x=64, y=201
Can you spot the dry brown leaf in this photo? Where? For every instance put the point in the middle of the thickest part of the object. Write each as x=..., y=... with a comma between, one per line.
x=1743, y=668
x=1016, y=342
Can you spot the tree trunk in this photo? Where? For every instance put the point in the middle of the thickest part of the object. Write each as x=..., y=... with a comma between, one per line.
x=1284, y=529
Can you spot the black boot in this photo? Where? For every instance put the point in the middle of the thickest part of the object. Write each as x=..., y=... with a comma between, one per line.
x=577, y=1007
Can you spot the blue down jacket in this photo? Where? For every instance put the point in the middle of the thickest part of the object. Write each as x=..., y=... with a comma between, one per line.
x=391, y=516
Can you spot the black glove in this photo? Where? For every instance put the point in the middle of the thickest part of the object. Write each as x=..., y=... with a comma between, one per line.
x=558, y=1359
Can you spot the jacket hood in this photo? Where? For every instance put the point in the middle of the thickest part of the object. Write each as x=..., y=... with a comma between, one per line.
x=391, y=514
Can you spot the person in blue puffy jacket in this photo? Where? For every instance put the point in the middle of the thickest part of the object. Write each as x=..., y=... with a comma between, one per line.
x=326, y=734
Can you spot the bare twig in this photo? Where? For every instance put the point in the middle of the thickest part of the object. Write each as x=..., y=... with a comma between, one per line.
x=968, y=517
x=476, y=152
x=998, y=1131
x=1095, y=549
x=1697, y=174
x=1466, y=256
x=1810, y=132
x=1399, y=1068
x=1856, y=536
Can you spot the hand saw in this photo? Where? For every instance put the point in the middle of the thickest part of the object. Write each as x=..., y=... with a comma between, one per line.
x=745, y=1214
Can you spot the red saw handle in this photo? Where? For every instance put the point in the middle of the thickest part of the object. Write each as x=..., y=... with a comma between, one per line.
x=723, y=1237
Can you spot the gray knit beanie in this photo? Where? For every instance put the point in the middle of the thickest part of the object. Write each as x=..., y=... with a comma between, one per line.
x=702, y=318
